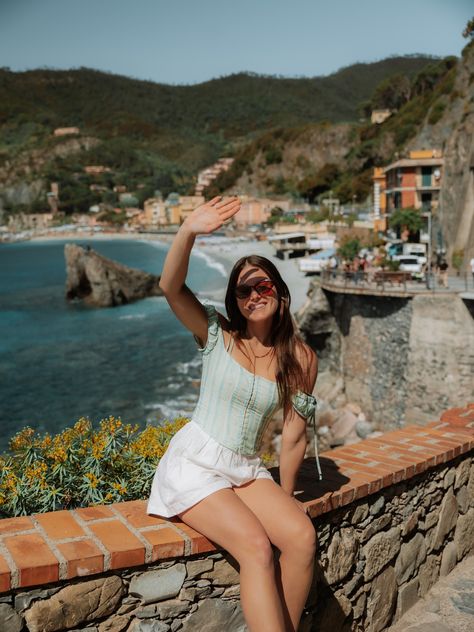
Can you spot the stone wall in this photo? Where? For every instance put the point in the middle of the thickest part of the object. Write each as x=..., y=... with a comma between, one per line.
x=403, y=360
x=392, y=514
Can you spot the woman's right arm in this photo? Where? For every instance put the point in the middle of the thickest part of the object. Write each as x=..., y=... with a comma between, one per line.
x=204, y=219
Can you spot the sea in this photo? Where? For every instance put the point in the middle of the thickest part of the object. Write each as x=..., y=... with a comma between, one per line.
x=61, y=360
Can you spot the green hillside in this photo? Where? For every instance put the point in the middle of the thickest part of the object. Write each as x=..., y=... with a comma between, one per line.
x=155, y=135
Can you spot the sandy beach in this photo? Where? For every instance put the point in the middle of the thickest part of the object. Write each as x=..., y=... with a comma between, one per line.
x=225, y=251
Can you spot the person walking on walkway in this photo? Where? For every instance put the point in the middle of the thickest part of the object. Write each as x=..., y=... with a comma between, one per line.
x=211, y=476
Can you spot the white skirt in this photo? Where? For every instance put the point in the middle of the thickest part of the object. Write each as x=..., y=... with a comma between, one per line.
x=194, y=466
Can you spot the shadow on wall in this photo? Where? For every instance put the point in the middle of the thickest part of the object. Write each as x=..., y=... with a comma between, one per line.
x=308, y=487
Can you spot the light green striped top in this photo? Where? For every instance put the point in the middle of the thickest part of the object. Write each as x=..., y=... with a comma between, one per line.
x=235, y=405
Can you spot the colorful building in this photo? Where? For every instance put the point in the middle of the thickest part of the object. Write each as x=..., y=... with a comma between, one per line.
x=414, y=182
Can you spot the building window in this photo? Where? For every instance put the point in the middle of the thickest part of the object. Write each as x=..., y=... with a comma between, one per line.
x=426, y=199
x=426, y=176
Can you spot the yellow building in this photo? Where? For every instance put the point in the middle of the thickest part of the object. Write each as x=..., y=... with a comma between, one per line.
x=155, y=212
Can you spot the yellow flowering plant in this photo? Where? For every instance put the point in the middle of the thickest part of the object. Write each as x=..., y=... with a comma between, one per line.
x=81, y=466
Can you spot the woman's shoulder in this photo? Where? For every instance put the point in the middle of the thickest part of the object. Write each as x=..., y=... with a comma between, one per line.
x=305, y=355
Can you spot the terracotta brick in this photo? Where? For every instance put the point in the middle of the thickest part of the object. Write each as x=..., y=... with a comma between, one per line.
x=317, y=508
x=166, y=543
x=34, y=559
x=83, y=558
x=13, y=525
x=4, y=575
x=60, y=525
x=199, y=543
x=134, y=511
x=124, y=547
x=95, y=513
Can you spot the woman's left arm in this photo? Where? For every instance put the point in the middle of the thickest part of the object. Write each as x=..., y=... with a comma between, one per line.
x=293, y=439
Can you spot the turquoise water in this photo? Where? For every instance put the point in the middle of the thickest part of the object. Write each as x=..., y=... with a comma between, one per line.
x=60, y=361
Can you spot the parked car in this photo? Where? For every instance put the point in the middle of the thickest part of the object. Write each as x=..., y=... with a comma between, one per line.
x=412, y=264
x=317, y=262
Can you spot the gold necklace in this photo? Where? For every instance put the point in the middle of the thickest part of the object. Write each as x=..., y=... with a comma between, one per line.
x=259, y=356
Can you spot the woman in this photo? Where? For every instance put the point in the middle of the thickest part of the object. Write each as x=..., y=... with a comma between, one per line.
x=210, y=476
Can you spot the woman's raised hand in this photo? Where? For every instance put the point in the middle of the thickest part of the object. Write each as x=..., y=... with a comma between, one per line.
x=211, y=215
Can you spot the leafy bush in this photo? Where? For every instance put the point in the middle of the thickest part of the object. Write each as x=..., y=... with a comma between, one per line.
x=436, y=112
x=81, y=466
x=457, y=259
x=349, y=249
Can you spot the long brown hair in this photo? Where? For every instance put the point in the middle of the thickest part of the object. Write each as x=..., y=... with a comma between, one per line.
x=284, y=337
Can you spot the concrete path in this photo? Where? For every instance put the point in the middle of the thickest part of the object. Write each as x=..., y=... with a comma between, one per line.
x=447, y=607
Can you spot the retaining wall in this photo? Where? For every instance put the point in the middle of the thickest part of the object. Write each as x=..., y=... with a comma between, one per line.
x=392, y=514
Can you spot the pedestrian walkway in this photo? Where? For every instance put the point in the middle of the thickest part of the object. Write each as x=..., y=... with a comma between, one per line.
x=447, y=607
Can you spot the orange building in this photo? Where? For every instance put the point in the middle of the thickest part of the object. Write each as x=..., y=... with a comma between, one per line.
x=414, y=182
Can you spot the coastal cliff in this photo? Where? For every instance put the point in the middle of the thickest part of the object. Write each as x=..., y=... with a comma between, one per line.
x=102, y=282
x=453, y=133
x=402, y=360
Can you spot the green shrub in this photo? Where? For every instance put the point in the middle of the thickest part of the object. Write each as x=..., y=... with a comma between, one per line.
x=81, y=466
x=436, y=112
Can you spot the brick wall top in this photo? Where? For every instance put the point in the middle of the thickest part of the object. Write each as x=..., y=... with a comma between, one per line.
x=60, y=545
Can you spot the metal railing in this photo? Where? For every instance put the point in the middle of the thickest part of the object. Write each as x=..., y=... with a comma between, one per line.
x=382, y=280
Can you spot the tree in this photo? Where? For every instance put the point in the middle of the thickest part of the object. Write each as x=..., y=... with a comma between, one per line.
x=469, y=30
x=407, y=219
x=349, y=248
x=391, y=93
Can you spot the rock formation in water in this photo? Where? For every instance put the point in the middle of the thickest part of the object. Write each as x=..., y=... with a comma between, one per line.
x=105, y=283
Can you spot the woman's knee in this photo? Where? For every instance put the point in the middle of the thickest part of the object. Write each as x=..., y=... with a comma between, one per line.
x=301, y=539
x=256, y=548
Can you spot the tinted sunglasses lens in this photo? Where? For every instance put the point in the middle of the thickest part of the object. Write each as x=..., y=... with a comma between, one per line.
x=263, y=289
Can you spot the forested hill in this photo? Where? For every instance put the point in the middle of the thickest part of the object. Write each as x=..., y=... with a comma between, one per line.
x=236, y=104
x=159, y=135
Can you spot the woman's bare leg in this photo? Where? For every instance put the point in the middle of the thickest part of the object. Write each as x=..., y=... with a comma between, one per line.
x=226, y=520
x=292, y=532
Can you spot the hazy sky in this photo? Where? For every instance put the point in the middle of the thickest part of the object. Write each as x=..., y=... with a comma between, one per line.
x=188, y=41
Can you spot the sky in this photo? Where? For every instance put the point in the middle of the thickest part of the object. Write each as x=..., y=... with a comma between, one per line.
x=190, y=41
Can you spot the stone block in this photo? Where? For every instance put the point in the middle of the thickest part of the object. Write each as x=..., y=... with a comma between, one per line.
x=377, y=506
x=378, y=552
x=381, y=601
x=150, y=626
x=464, y=534
x=75, y=604
x=412, y=555
x=375, y=526
x=448, y=559
x=410, y=524
x=10, y=620
x=462, y=474
x=114, y=624
x=214, y=615
x=407, y=596
x=428, y=574
x=224, y=574
x=158, y=585
x=196, y=567
x=430, y=520
x=447, y=519
x=342, y=552
x=360, y=513
x=449, y=478
x=470, y=486
x=463, y=499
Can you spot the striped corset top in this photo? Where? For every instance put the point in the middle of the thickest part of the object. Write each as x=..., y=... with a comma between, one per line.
x=235, y=405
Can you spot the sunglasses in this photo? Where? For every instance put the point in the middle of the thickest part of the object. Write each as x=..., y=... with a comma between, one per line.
x=263, y=288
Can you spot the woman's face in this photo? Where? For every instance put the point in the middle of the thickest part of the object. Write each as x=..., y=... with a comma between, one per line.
x=261, y=301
